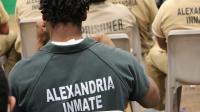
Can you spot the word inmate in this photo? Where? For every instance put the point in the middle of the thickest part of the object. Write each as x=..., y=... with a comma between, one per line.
x=192, y=14
x=78, y=95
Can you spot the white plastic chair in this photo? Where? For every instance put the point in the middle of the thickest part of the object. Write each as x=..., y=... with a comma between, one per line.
x=28, y=34
x=120, y=40
x=183, y=65
x=129, y=38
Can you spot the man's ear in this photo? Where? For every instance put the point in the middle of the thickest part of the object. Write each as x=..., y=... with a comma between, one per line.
x=12, y=102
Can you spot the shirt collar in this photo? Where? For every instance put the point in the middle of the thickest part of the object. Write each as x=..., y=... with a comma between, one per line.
x=57, y=49
x=67, y=43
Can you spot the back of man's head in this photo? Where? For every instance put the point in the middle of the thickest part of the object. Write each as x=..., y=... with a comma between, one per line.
x=4, y=90
x=64, y=11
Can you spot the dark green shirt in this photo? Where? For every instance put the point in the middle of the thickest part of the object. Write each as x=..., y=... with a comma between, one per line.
x=88, y=76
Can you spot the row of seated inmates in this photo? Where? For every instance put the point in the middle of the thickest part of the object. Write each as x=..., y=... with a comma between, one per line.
x=176, y=17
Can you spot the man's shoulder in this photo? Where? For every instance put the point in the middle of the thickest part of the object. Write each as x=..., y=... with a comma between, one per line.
x=28, y=68
x=112, y=55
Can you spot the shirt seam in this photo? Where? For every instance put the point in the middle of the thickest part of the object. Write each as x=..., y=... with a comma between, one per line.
x=36, y=82
x=110, y=66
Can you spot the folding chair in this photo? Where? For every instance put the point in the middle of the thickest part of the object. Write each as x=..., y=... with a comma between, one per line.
x=183, y=65
x=120, y=40
x=28, y=36
x=129, y=41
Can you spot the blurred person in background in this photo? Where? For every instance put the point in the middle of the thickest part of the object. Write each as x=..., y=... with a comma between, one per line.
x=171, y=16
x=28, y=10
x=145, y=12
x=104, y=17
x=7, y=39
x=75, y=74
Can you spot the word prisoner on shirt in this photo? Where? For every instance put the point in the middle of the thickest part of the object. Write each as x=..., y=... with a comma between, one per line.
x=79, y=95
x=107, y=27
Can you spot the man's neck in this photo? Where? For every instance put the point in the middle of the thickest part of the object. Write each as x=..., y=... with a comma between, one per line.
x=63, y=33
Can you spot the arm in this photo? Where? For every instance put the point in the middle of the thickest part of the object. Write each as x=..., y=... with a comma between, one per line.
x=4, y=28
x=162, y=43
x=12, y=102
x=144, y=91
x=152, y=98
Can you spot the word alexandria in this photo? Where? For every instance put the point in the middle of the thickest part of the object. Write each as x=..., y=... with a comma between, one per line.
x=72, y=94
x=80, y=89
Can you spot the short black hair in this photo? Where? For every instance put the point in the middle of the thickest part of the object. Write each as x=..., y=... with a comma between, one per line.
x=96, y=1
x=4, y=91
x=64, y=11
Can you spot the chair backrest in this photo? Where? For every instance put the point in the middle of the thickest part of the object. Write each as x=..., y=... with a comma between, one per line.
x=120, y=40
x=184, y=55
x=129, y=41
x=28, y=37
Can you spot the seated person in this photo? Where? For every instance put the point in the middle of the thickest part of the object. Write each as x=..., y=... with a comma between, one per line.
x=145, y=12
x=75, y=74
x=105, y=17
x=27, y=9
x=171, y=16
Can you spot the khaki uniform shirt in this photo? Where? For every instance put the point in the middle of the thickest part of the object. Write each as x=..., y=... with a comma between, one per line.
x=177, y=14
x=144, y=11
x=110, y=18
x=128, y=3
x=3, y=14
x=26, y=9
x=5, y=40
